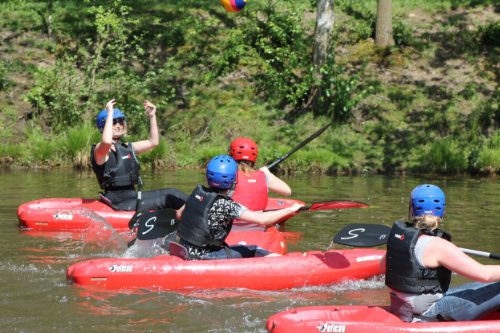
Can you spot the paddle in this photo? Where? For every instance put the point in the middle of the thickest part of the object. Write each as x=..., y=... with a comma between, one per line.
x=331, y=204
x=157, y=224
x=300, y=145
x=481, y=253
x=368, y=235
x=363, y=235
x=134, y=221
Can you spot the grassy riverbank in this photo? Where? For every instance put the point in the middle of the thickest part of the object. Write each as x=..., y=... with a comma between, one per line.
x=430, y=104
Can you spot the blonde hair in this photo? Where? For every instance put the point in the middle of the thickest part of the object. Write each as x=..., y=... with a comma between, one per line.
x=246, y=167
x=427, y=222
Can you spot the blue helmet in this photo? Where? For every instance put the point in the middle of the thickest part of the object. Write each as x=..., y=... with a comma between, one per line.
x=221, y=172
x=426, y=200
x=103, y=115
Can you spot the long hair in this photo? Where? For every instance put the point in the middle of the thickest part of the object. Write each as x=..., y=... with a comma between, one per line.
x=245, y=166
x=429, y=222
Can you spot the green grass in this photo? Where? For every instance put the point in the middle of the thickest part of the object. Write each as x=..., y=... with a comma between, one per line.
x=201, y=66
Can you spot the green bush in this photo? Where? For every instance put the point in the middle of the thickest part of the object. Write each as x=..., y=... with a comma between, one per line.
x=175, y=36
x=77, y=142
x=490, y=34
x=205, y=154
x=42, y=149
x=58, y=95
x=157, y=156
x=14, y=152
x=441, y=156
x=402, y=32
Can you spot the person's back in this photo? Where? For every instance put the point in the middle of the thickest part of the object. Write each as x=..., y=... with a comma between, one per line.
x=207, y=217
x=252, y=186
x=418, y=265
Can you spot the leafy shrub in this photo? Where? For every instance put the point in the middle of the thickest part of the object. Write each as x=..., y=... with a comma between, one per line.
x=58, y=95
x=157, y=156
x=484, y=115
x=339, y=96
x=42, y=148
x=207, y=153
x=402, y=32
x=234, y=47
x=77, y=142
x=175, y=36
x=289, y=75
x=14, y=152
x=490, y=34
x=442, y=156
x=365, y=19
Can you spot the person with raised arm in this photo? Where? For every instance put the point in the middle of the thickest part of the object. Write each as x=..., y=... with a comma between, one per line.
x=419, y=263
x=117, y=168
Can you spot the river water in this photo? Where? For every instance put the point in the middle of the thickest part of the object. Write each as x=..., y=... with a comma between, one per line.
x=35, y=296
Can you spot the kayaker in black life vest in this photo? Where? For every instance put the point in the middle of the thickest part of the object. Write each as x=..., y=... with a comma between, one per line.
x=117, y=168
x=252, y=186
x=418, y=265
x=208, y=215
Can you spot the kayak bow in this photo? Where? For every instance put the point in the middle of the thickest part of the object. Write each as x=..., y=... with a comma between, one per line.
x=372, y=319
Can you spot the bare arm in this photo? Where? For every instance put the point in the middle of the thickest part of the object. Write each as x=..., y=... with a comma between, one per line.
x=179, y=212
x=441, y=252
x=268, y=217
x=102, y=148
x=154, y=138
x=381, y=264
x=276, y=185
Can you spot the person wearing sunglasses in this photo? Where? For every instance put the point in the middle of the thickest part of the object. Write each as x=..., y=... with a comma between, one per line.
x=117, y=168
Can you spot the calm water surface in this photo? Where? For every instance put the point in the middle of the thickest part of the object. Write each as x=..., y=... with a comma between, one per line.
x=36, y=298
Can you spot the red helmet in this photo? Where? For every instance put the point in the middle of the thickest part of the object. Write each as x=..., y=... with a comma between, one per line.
x=243, y=149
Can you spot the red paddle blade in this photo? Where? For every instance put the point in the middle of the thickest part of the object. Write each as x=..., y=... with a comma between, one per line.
x=337, y=204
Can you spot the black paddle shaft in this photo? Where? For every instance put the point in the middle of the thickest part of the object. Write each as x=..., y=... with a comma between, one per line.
x=300, y=145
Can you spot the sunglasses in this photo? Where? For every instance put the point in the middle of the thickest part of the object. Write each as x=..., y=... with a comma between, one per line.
x=120, y=121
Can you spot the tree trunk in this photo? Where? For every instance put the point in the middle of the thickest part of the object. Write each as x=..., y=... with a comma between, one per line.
x=322, y=38
x=384, y=36
x=49, y=5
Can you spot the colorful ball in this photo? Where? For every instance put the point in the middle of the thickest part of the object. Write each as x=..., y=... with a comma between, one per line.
x=233, y=6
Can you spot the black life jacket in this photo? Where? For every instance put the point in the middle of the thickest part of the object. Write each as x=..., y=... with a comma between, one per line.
x=194, y=222
x=403, y=272
x=126, y=171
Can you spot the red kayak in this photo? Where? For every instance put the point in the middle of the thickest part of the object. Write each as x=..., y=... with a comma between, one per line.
x=368, y=319
x=273, y=273
x=71, y=214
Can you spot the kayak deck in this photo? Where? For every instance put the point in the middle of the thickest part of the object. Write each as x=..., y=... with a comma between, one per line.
x=270, y=273
x=363, y=319
x=73, y=213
